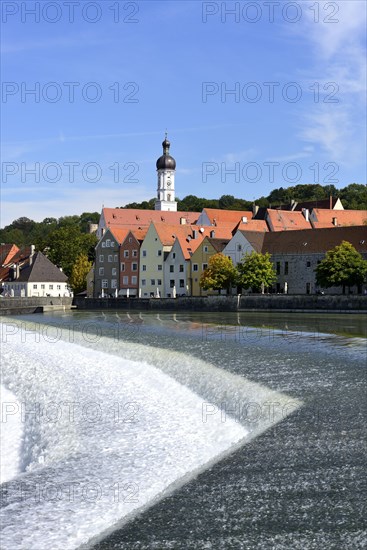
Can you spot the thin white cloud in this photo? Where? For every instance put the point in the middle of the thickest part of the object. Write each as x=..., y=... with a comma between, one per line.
x=247, y=155
x=338, y=55
x=305, y=153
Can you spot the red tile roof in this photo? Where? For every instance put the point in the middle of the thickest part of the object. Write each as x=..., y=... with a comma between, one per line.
x=285, y=220
x=7, y=251
x=132, y=217
x=168, y=233
x=335, y=218
x=252, y=225
x=219, y=217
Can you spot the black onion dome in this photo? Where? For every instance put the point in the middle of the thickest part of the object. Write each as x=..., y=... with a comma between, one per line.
x=166, y=162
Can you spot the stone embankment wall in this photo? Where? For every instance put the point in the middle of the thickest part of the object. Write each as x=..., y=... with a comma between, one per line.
x=276, y=302
x=18, y=306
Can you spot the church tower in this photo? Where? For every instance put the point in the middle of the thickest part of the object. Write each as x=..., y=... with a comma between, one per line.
x=166, y=166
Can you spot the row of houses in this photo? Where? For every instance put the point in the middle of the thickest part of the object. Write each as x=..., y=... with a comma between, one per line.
x=167, y=260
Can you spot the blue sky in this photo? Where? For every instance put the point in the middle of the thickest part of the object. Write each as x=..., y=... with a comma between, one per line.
x=174, y=64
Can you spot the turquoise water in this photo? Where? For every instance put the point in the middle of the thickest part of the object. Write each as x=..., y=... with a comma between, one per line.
x=297, y=481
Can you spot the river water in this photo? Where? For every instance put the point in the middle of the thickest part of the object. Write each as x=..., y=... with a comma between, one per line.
x=183, y=431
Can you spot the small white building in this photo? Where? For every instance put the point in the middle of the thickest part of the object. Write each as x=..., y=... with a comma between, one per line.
x=36, y=277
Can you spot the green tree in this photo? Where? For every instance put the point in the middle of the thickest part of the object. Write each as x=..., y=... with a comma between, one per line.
x=79, y=272
x=66, y=243
x=354, y=196
x=256, y=271
x=220, y=273
x=342, y=266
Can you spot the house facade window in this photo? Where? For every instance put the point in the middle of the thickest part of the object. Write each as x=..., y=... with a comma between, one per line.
x=152, y=282
x=181, y=268
x=115, y=258
x=159, y=282
x=278, y=268
x=34, y=287
x=101, y=271
x=125, y=280
x=159, y=253
x=172, y=283
x=134, y=280
x=144, y=267
x=285, y=268
x=122, y=266
x=144, y=253
x=126, y=253
x=171, y=268
x=205, y=249
x=159, y=266
x=134, y=253
x=113, y=283
x=134, y=267
x=101, y=258
x=143, y=282
x=182, y=283
x=50, y=287
x=114, y=271
x=205, y=266
x=110, y=258
x=104, y=283
x=195, y=267
x=108, y=243
x=308, y=264
x=58, y=287
x=42, y=287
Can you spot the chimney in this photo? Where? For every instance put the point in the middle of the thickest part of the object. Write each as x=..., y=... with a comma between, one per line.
x=293, y=204
x=244, y=219
x=31, y=254
x=212, y=234
x=195, y=234
x=335, y=221
x=182, y=221
x=306, y=214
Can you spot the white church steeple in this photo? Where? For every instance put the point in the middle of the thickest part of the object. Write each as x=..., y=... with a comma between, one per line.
x=166, y=166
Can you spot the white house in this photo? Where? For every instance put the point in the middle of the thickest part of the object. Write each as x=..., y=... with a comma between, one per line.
x=37, y=276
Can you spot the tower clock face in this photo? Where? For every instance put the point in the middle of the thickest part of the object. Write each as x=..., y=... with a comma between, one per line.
x=168, y=183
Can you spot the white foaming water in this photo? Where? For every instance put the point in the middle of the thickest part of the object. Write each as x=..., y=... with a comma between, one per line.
x=11, y=431
x=103, y=436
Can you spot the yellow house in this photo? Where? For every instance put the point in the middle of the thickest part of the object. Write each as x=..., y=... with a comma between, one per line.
x=199, y=262
x=153, y=252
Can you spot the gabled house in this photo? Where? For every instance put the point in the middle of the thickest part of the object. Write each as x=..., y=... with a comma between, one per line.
x=129, y=263
x=244, y=242
x=35, y=275
x=199, y=262
x=154, y=250
x=107, y=263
